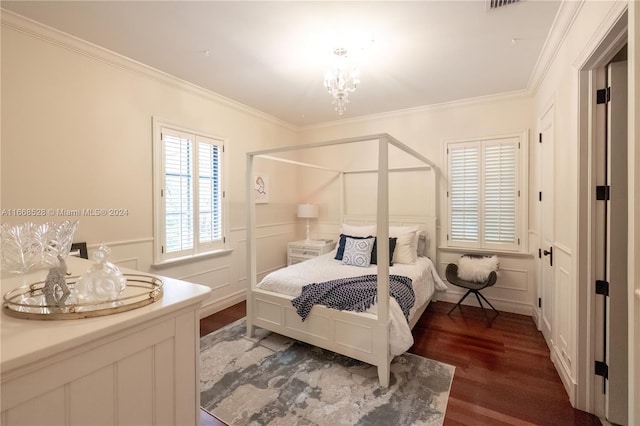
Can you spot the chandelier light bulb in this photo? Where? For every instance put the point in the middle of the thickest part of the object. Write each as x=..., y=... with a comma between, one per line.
x=341, y=80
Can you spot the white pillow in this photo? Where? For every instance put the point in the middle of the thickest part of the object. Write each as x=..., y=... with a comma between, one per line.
x=406, y=248
x=476, y=268
x=396, y=231
x=358, y=230
x=357, y=252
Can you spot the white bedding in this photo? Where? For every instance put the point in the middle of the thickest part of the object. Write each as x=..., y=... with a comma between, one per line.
x=425, y=280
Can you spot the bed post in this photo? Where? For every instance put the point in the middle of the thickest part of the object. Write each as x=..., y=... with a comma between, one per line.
x=342, y=198
x=251, y=246
x=435, y=189
x=382, y=218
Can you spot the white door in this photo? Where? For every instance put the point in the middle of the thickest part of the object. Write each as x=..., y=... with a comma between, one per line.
x=546, y=205
x=617, y=354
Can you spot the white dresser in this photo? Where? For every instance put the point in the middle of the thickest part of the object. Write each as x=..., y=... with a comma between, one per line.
x=139, y=367
x=299, y=251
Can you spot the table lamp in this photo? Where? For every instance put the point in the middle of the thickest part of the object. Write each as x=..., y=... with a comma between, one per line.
x=307, y=211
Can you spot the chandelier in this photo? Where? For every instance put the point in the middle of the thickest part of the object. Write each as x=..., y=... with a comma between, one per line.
x=341, y=80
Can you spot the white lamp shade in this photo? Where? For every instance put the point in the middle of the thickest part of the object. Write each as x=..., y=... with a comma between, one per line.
x=307, y=210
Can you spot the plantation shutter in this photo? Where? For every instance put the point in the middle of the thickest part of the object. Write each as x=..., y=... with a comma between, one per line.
x=464, y=176
x=189, y=205
x=483, y=193
x=500, y=192
x=210, y=211
x=178, y=191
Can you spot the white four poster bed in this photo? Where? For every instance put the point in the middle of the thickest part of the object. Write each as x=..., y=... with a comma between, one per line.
x=373, y=336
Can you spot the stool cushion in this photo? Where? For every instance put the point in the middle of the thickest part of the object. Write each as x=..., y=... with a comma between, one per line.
x=476, y=268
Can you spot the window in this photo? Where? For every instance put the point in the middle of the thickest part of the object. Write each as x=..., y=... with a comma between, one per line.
x=188, y=193
x=484, y=195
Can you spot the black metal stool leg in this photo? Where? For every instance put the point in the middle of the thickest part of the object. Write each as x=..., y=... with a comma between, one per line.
x=480, y=302
x=485, y=299
x=460, y=301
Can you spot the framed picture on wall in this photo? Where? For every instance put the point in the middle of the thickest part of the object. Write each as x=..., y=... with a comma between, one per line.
x=261, y=188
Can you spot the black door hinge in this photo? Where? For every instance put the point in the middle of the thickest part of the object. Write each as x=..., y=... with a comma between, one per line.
x=539, y=253
x=603, y=192
x=539, y=302
x=602, y=287
x=603, y=96
x=540, y=137
x=540, y=196
x=602, y=369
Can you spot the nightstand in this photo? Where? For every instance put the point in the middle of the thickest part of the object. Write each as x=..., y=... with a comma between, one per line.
x=299, y=251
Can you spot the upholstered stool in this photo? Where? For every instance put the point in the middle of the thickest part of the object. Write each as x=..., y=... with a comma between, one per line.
x=472, y=286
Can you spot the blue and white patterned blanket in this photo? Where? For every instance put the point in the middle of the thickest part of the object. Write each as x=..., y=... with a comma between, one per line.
x=353, y=294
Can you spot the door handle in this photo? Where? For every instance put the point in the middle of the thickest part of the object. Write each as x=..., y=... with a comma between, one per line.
x=550, y=254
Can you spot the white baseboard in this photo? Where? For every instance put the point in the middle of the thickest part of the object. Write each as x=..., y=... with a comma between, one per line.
x=210, y=307
x=536, y=317
x=501, y=305
x=565, y=376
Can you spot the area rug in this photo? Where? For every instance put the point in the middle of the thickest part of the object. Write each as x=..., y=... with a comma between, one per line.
x=273, y=380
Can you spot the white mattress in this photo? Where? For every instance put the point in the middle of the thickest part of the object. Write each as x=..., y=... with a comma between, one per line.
x=425, y=280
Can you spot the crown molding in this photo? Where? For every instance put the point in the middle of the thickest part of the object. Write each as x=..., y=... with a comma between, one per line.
x=567, y=13
x=500, y=97
x=77, y=45
x=610, y=28
x=562, y=23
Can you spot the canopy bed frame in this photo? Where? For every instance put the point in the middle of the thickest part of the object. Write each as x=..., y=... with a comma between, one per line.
x=359, y=335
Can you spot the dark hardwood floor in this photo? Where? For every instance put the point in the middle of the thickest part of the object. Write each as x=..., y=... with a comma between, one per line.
x=503, y=372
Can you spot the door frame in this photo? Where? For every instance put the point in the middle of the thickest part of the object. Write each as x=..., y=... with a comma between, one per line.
x=617, y=352
x=610, y=41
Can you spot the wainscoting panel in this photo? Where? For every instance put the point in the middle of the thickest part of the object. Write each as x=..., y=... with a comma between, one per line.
x=213, y=277
x=564, y=348
x=534, y=242
x=226, y=274
x=134, y=254
x=513, y=292
x=131, y=263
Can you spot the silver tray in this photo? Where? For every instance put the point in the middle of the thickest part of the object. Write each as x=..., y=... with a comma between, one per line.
x=28, y=301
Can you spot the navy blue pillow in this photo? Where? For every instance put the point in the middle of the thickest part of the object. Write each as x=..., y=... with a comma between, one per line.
x=374, y=251
x=342, y=242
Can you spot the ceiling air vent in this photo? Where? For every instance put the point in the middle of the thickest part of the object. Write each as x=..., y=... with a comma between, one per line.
x=497, y=4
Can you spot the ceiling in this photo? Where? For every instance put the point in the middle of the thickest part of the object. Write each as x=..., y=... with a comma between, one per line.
x=272, y=56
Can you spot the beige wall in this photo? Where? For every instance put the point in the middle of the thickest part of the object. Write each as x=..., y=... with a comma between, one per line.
x=76, y=133
x=424, y=130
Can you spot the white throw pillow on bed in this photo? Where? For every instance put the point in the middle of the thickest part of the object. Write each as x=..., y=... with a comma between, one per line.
x=476, y=268
x=406, y=248
x=406, y=245
x=396, y=231
x=357, y=252
x=359, y=230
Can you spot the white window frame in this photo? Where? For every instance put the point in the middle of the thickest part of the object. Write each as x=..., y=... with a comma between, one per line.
x=520, y=244
x=199, y=249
